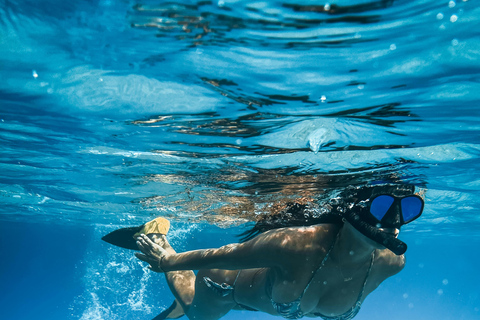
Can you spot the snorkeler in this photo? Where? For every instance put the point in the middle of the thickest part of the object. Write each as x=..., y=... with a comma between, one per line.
x=320, y=267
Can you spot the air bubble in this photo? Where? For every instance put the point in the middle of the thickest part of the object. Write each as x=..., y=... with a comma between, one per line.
x=34, y=74
x=440, y=16
x=326, y=7
x=454, y=42
x=393, y=47
x=405, y=295
x=439, y=292
x=323, y=98
x=445, y=281
x=453, y=18
x=451, y=4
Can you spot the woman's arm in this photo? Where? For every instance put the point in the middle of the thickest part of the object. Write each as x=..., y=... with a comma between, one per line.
x=276, y=248
x=251, y=254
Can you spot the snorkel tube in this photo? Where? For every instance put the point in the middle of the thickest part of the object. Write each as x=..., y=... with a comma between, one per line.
x=388, y=241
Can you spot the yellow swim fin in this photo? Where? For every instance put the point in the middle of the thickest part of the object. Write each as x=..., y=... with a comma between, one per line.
x=127, y=237
x=158, y=225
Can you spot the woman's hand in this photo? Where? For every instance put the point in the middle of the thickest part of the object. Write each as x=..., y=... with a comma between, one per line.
x=153, y=254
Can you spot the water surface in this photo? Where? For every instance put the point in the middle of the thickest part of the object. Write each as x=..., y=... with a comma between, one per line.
x=211, y=113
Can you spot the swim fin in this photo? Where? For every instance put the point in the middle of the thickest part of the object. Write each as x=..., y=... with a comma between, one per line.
x=126, y=237
x=175, y=311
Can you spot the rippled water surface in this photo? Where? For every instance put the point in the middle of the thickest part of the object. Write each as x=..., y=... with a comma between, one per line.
x=112, y=112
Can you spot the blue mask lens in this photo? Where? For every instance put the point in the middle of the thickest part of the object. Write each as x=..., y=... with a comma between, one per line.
x=380, y=206
x=411, y=208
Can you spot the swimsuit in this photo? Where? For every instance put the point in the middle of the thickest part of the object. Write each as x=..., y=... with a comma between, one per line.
x=292, y=310
x=225, y=289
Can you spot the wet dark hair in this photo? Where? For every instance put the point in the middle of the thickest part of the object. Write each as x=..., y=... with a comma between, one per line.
x=350, y=204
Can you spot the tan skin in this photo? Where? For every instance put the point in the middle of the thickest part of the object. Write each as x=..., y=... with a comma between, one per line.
x=288, y=257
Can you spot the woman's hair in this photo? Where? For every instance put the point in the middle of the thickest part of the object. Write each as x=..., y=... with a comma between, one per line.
x=329, y=210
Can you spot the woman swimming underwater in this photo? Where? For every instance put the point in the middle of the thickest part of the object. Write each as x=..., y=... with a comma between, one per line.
x=319, y=267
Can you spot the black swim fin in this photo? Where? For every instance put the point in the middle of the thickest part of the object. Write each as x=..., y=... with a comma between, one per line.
x=123, y=237
x=175, y=311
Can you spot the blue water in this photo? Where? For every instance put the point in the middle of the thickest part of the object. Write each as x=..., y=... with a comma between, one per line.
x=114, y=112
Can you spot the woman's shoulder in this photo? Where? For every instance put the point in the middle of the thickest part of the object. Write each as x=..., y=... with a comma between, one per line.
x=318, y=231
x=324, y=227
x=386, y=265
x=389, y=262
x=305, y=238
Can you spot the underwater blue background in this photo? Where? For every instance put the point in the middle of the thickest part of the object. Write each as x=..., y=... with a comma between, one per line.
x=210, y=113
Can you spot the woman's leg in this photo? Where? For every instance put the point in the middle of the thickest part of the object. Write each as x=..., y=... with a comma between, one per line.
x=181, y=283
x=198, y=301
